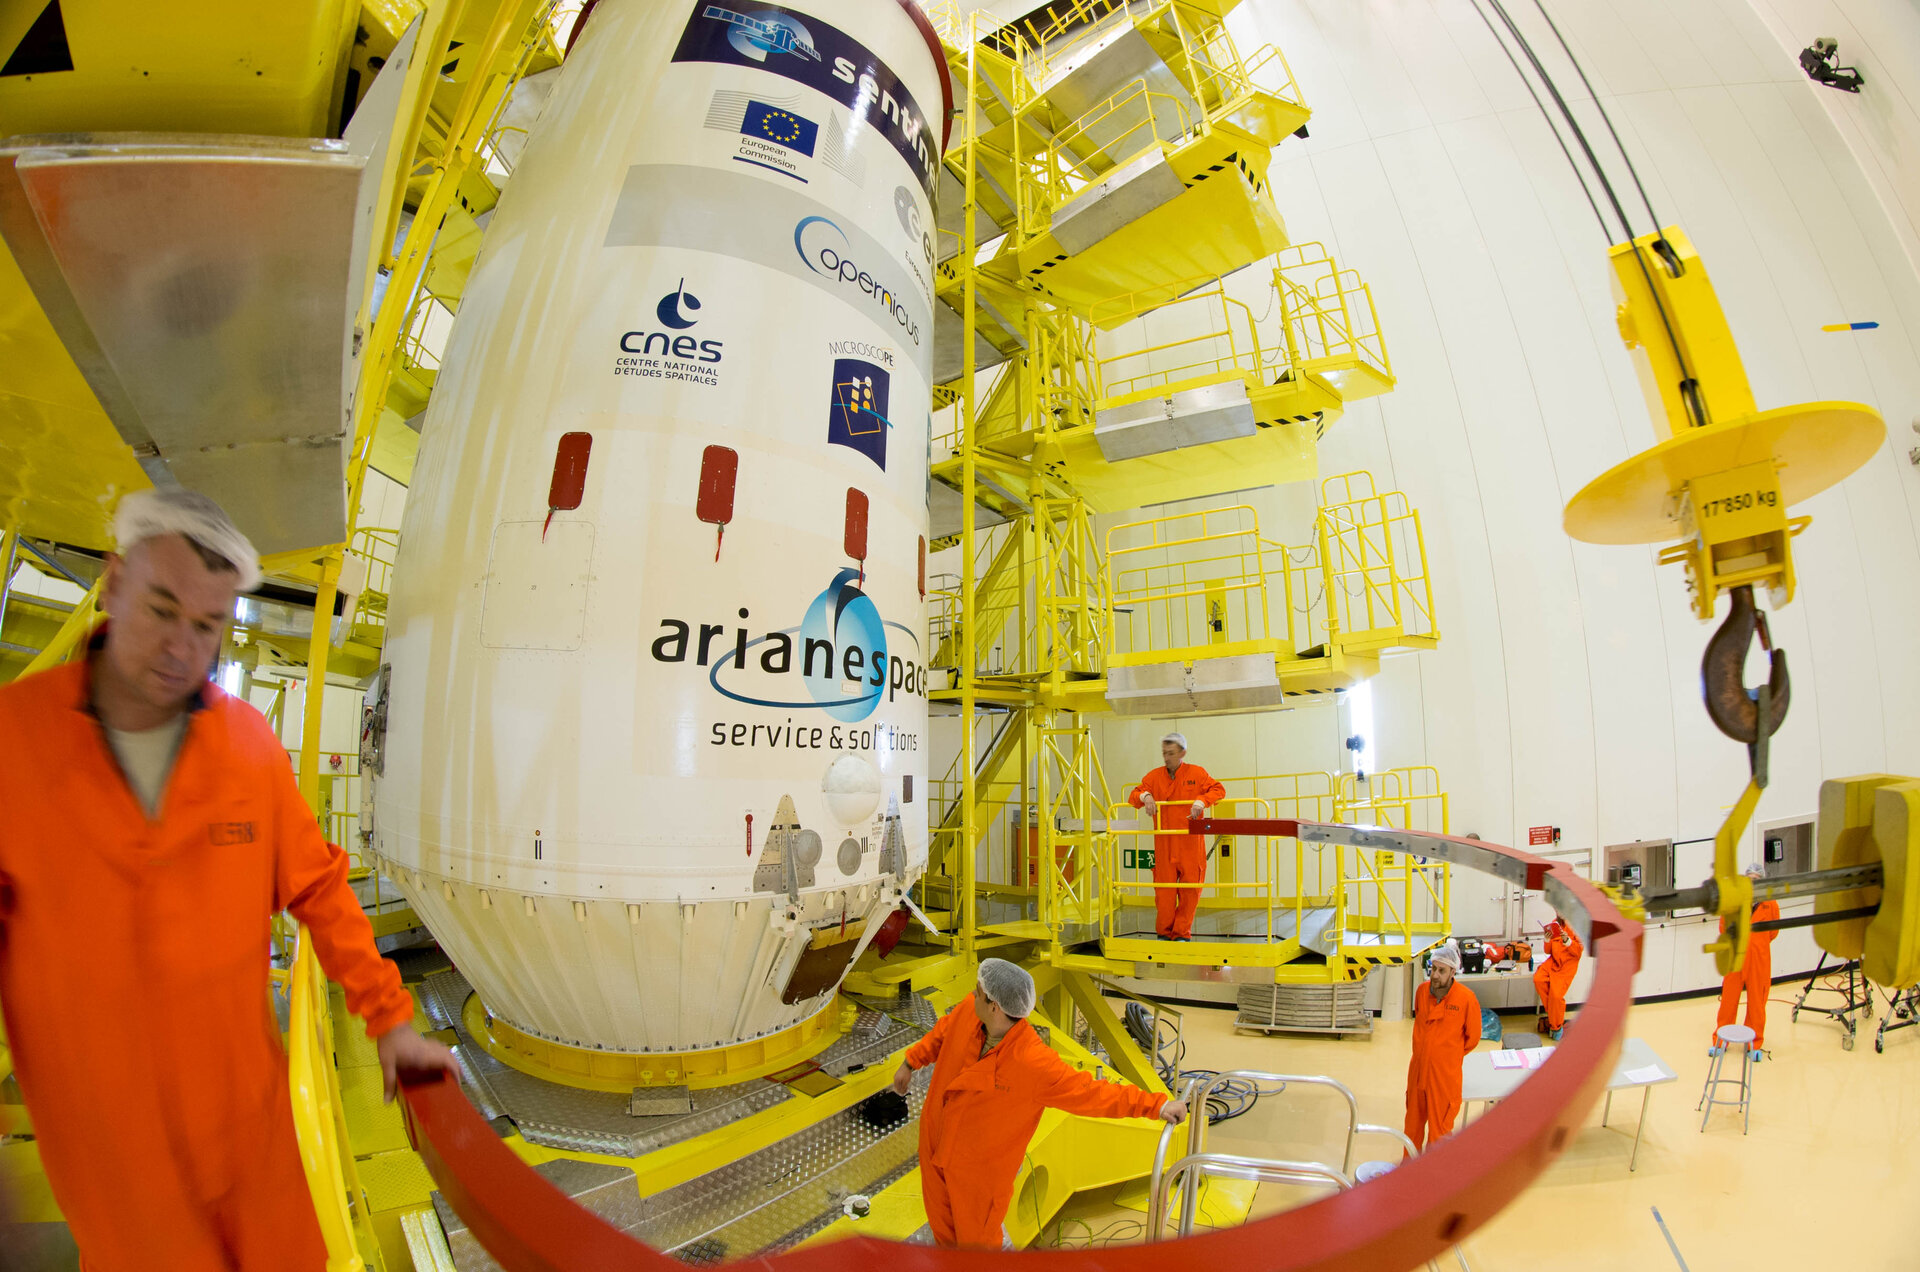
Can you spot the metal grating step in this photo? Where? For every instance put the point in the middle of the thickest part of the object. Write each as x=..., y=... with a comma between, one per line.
x=774, y=1199
x=768, y=1200
x=598, y=1121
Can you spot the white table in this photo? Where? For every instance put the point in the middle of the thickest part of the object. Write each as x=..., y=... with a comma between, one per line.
x=1482, y=1083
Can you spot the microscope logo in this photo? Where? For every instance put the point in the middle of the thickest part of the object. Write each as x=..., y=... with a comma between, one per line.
x=756, y=35
x=674, y=306
x=857, y=412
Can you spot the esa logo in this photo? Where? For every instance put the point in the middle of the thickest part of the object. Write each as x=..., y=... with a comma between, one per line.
x=823, y=246
x=671, y=354
x=907, y=208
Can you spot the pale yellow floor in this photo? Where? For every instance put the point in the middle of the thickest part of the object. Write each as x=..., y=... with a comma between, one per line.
x=1828, y=1177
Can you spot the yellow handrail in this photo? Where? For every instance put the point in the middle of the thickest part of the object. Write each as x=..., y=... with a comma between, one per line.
x=1382, y=895
x=319, y=1124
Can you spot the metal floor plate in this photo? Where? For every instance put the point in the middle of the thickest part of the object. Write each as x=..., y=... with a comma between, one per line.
x=776, y=1198
x=598, y=1121
x=769, y=1199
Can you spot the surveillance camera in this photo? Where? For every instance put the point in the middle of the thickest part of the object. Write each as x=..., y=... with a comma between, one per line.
x=1817, y=60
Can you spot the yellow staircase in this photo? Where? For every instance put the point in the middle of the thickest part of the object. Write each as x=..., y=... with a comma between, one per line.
x=1109, y=164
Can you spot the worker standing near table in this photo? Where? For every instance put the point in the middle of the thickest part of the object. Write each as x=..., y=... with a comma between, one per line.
x=992, y=1078
x=1755, y=976
x=1552, y=978
x=153, y=828
x=1446, y=1026
x=1170, y=795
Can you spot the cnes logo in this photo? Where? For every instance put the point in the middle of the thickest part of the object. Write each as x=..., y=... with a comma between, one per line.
x=673, y=354
x=677, y=311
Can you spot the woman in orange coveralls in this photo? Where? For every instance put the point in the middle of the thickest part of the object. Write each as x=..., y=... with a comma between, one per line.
x=1755, y=976
x=992, y=1077
x=1551, y=978
x=1176, y=792
x=1446, y=1026
x=152, y=829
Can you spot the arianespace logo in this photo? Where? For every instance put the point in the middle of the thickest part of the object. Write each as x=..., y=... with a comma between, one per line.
x=840, y=652
x=671, y=354
x=824, y=248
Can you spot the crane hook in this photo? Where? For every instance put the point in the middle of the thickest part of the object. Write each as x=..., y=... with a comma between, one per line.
x=1735, y=709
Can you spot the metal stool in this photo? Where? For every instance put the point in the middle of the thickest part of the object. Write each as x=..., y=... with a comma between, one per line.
x=1729, y=1035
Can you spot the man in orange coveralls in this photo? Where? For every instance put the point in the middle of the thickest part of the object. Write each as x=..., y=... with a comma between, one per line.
x=1551, y=978
x=992, y=1077
x=1446, y=1025
x=1756, y=977
x=152, y=829
x=1176, y=792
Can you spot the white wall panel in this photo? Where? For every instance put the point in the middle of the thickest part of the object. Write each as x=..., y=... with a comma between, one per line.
x=1566, y=688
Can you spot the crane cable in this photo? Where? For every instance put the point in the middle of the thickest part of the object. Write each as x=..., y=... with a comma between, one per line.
x=1689, y=385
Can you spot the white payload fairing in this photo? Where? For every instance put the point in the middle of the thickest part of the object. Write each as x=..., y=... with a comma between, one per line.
x=655, y=692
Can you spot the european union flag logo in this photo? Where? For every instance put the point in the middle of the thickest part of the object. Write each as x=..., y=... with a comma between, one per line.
x=857, y=417
x=782, y=127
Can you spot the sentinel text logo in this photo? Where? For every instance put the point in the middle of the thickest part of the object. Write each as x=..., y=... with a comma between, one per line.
x=823, y=246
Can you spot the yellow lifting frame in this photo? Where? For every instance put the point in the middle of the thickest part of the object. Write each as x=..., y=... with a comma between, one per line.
x=1722, y=479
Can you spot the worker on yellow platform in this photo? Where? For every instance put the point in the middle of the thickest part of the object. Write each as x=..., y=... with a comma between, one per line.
x=1446, y=1026
x=1555, y=973
x=1175, y=792
x=992, y=1077
x=1755, y=976
x=153, y=827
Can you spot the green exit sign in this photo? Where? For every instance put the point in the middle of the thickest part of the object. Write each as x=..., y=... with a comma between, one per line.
x=1137, y=858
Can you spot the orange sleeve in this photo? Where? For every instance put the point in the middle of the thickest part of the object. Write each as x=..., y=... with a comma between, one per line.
x=927, y=1050
x=310, y=879
x=1761, y=913
x=1471, y=1033
x=1211, y=792
x=1133, y=796
x=1061, y=1086
x=1574, y=948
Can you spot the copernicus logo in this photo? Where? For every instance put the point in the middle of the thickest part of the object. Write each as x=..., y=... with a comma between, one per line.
x=823, y=246
x=840, y=651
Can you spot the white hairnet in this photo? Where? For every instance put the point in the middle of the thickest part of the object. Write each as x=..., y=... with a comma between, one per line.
x=1756, y=871
x=1008, y=986
x=1178, y=739
x=176, y=510
x=1447, y=953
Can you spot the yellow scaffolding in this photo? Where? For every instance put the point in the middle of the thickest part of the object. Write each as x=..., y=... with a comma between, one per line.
x=1093, y=142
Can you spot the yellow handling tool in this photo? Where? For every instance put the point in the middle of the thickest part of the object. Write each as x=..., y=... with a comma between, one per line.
x=1720, y=483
